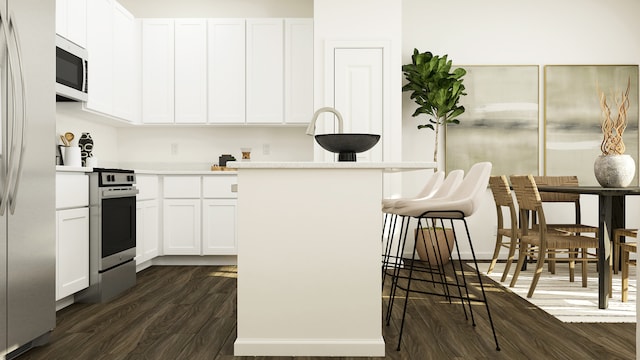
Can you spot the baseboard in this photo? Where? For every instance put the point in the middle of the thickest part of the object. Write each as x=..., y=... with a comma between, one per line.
x=195, y=260
x=309, y=347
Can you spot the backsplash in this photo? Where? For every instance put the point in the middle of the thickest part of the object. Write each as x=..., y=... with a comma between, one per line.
x=183, y=147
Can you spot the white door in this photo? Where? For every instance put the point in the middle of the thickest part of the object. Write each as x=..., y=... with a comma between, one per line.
x=181, y=227
x=226, y=70
x=72, y=260
x=265, y=68
x=124, y=74
x=100, y=50
x=358, y=94
x=190, y=71
x=219, y=227
x=298, y=70
x=157, y=71
x=146, y=230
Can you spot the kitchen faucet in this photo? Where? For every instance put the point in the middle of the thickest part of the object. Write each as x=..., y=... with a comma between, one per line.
x=312, y=125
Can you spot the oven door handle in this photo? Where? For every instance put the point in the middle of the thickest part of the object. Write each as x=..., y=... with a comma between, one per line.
x=120, y=193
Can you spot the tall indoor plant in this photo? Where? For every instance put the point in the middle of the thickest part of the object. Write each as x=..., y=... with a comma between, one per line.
x=436, y=89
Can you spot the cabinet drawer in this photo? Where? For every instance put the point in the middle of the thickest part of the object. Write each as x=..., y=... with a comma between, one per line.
x=72, y=190
x=148, y=187
x=220, y=186
x=182, y=186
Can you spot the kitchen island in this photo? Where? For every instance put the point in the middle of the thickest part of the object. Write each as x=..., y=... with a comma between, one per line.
x=309, y=255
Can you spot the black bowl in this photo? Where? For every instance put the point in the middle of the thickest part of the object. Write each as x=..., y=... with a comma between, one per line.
x=347, y=145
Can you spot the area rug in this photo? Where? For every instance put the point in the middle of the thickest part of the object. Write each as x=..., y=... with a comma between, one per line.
x=570, y=302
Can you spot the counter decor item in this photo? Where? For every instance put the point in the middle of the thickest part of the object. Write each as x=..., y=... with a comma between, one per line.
x=86, y=145
x=614, y=168
x=246, y=154
x=71, y=156
x=436, y=90
x=222, y=163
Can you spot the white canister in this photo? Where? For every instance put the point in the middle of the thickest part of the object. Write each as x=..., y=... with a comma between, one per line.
x=71, y=156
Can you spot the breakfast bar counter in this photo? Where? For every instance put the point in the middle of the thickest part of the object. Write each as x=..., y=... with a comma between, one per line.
x=309, y=255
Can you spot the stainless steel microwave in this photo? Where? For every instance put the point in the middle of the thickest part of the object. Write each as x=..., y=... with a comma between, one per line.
x=71, y=71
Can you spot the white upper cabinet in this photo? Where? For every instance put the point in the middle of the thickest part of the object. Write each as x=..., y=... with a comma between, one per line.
x=100, y=50
x=190, y=71
x=265, y=71
x=112, y=66
x=298, y=70
x=124, y=64
x=226, y=65
x=157, y=71
x=227, y=71
x=71, y=20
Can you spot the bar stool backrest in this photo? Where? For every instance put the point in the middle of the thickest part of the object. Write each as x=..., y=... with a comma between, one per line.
x=449, y=185
x=432, y=185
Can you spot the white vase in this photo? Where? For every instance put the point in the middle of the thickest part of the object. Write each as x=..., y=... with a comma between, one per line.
x=614, y=170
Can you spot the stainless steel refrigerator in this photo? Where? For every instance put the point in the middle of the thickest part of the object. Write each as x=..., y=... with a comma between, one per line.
x=27, y=174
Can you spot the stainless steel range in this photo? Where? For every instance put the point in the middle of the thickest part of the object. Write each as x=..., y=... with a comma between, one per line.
x=112, y=234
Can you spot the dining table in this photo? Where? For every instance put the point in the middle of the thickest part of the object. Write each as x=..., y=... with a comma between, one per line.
x=611, y=216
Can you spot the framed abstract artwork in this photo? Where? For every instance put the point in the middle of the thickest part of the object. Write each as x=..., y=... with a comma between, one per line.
x=573, y=116
x=501, y=120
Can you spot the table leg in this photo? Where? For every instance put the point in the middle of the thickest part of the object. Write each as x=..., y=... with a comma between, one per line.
x=604, y=248
x=611, y=216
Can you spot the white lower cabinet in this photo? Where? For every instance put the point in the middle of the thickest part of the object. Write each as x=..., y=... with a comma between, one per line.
x=219, y=227
x=181, y=227
x=147, y=225
x=199, y=215
x=72, y=247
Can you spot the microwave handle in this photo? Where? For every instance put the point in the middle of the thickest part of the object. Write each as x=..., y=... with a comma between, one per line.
x=85, y=69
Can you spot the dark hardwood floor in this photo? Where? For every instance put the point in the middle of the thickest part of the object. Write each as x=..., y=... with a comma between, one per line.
x=188, y=312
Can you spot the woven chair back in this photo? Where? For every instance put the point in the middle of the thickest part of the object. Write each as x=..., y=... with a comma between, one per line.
x=501, y=190
x=526, y=192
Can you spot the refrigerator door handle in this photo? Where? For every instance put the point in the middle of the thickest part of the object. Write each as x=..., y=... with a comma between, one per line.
x=20, y=118
x=6, y=126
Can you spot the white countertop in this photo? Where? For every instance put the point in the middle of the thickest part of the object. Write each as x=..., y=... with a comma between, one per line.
x=386, y=166
x=82, y=169
x=186, y=172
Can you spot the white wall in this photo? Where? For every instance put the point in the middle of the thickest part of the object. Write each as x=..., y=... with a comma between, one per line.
x=504, y=32
x=69, y=118
x=197, y=148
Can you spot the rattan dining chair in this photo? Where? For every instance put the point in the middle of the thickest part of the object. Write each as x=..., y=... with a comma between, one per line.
x=626, y=249
x=618, y=234
x=555, y=197
x=543, y=245
x=504, y=201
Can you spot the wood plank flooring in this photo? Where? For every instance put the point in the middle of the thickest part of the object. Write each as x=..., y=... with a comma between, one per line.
x=188, y=312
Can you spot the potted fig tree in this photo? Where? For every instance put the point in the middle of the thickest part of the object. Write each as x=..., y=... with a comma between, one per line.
x=436, y=89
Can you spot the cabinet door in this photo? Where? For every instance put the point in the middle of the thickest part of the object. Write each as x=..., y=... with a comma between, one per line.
x=265, y=68
x=124, y=74
x=72, y=244
x=157, y=71
x=77, y=21
x=71, y=20
x=146, y=230
x=190, y=71
x=219, y=227
x=226, y=66
x=100, y=50
x=148, y=186
x=298, y=70
x=182, y=227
